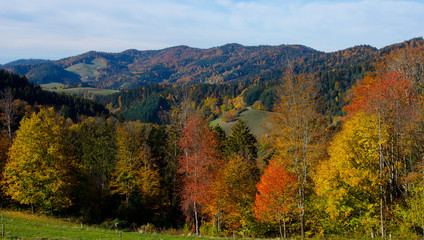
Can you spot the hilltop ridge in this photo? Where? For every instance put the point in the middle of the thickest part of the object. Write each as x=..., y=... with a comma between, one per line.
x=183, y=64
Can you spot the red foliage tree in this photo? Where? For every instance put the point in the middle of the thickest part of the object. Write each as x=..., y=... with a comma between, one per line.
x=387, y=94
x=276, y=195
x=197, y=164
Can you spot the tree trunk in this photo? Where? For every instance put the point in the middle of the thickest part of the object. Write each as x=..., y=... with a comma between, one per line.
x=422, y=160
x=302, y=223
x=422, y=226
x=279, y=227
x=9, y=130
x=196, y=219
x=301, y=209
x=8, y=107
x=218, y=220
x=381, y=176
x=284, y=222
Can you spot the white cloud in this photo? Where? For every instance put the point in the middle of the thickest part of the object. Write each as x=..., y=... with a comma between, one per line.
x=55, y=27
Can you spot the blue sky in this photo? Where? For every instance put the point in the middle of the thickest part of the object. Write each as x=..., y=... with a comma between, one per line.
x=54, y=29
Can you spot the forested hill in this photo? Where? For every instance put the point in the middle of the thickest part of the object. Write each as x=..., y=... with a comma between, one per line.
x=131, y=68
x=69, y=106
x=182, y=64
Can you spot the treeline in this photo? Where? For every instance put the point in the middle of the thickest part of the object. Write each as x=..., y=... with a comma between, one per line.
x=357, y=176
x=153, y=103
x=20, y=88
x=100, y=169
x=45, y=72
x=150, y=103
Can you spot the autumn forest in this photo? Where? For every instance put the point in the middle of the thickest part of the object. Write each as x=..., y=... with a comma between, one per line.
x=341, y=154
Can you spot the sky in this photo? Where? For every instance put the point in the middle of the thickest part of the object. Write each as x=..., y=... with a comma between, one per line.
x=55, y=29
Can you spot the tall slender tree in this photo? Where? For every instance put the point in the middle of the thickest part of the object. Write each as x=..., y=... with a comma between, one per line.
x=393, y=99
x=199, y=157
x=296, y=128
x=93, y=141
x=134, y=171
x=8, y=107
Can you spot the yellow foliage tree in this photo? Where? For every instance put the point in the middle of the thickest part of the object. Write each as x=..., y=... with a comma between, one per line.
x=40, y=169
x=134, y=172
x=238, y=103
x=349, y=179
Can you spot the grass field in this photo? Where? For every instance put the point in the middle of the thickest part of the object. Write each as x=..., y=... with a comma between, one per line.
x=51, y=86
x=84, y=69
x=255, y=120
x=57, y=87
x=95, y=91
x=19, y=225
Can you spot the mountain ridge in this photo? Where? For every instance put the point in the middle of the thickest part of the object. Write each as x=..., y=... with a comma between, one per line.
x=231, y=62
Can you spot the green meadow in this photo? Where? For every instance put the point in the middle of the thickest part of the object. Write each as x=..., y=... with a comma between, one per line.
x=87, y=69
x=80, y=90
x=20, y=225
x=59, y=88
x=255, y=120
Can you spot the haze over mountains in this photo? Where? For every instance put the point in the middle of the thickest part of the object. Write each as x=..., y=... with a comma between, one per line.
x=183, y=64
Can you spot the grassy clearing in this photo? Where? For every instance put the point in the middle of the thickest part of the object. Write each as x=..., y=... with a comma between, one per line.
x=58, y=88
x=51, y=86
x=89, y=90
x=87, y=69
x=255, y=120
x=19, y=225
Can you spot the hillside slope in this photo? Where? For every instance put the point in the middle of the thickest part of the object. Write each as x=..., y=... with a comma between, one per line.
x=254, y=119
x=183, y=64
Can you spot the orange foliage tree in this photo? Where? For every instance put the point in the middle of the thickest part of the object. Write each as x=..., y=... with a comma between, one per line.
x=199, y=157
x=276, y=195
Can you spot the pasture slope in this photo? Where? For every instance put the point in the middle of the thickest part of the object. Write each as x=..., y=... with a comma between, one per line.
x=255, y=120
x=20, y=225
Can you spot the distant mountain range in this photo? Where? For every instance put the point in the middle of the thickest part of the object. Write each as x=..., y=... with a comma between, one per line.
x=183, y=64
x=25, y=61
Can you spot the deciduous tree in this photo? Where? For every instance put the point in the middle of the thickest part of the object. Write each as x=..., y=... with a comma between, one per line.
x=296, y=131
x=199, y=157
x=134, y=172
x=276, y=195
x=41, y=171
x=349, y=179
x=238, y=185
x=392, y=98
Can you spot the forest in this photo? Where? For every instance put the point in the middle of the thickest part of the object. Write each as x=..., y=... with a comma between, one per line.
x=351, y=167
